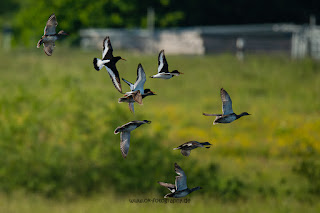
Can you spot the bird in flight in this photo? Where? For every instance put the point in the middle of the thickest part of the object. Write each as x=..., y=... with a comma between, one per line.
x=227, y=115
x=50, y=35
x=163, y=71
x=125, y=131
x=180, y=188
x=188, y=146
x=109, y=62
x=137, y=92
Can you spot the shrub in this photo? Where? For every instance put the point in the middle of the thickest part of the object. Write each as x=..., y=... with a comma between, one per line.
x=310, y=169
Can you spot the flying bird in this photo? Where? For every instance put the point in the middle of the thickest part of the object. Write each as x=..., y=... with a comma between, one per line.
x=125, y=131
x=137, y=92
x=50, y=35
x=228, y=115
x=180, y=188
x=130, y=100
x=188, y=146
x=109, y=62
x=163, y=71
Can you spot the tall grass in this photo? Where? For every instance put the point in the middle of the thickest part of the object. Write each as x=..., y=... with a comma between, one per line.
x=102, y=203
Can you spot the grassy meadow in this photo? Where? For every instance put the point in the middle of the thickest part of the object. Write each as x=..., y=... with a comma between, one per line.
x=58, y=149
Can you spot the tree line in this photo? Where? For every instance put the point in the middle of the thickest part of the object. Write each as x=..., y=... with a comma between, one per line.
x=29, y=16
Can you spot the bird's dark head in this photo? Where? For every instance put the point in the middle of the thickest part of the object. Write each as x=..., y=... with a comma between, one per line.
x=244, y=113
x=117, y=58
x=61, y=32
x=149, y=92
x=176, y=72
x=195, y=189
x=146, y=121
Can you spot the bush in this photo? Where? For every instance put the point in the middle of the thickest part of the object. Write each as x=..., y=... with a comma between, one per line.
x=310, y=169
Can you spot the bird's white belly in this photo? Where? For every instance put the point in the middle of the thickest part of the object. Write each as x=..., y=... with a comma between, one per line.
x=162, y=75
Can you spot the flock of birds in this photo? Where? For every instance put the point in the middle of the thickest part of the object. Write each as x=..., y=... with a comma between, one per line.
x=136, y=94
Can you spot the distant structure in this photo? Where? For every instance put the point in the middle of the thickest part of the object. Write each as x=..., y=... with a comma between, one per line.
x=174, y=41
x=295, y=40
x=240, y=43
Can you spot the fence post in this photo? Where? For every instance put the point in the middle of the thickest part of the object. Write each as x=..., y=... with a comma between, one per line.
x=7, y=37
x=240, y=45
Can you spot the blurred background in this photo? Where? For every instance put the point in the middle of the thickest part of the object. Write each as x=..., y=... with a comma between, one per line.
x=57, y=114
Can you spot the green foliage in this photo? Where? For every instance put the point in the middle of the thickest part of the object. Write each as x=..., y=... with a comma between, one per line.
x=8, y=6
x=310, y=169
x=73, y=15
x=171, y=19
x=30, y=203
x=215, y=185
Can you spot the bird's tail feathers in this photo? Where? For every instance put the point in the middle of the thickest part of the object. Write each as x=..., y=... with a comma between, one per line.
x=98, y=63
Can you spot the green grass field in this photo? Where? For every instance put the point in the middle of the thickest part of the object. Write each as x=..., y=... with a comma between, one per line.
x=58, y=150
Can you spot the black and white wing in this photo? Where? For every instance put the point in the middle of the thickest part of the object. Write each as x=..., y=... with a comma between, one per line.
x=162, y=63
x=114, y=75
x=226, y=102
x=131, y=85
x=124, y=143
x=142, y=122
x=132, y=125
x=125, y=127
x=184, y=145
x=50, y=28
x=107, y=52
x=141, y=79
x=169, y=186
x=181, y=180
